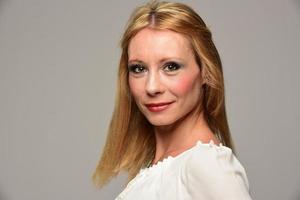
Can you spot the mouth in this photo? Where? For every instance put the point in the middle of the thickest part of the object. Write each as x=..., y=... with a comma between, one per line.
x=158, y=107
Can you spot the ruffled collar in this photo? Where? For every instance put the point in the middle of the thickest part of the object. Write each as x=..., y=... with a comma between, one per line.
x=150, y=167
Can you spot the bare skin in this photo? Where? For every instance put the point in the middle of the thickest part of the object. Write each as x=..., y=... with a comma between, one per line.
x=172, y=141
x=163, y=69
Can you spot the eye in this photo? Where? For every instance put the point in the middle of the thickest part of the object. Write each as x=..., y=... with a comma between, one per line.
x=172, y=66
x=136, y=68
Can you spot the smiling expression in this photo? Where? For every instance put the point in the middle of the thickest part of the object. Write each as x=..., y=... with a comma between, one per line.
x=164, y=77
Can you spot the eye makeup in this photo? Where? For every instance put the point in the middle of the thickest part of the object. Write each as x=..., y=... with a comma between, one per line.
x=136, y=68
x=172, y=66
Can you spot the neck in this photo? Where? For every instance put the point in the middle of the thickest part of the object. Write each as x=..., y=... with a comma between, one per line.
x=174, y=139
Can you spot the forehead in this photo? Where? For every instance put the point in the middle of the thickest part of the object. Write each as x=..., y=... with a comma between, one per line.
x=159, y=43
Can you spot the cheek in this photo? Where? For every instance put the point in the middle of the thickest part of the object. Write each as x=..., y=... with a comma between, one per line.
x=134, y=87
x=184, y=85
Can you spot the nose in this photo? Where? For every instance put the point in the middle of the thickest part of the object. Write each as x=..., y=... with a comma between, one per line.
x=154, y=86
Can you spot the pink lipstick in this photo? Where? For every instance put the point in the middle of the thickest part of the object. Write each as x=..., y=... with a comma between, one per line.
x=158, y=107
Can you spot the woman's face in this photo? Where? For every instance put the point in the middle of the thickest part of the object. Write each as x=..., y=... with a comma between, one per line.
x=164, y=78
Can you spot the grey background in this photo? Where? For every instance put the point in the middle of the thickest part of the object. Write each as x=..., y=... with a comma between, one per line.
x=58, y=63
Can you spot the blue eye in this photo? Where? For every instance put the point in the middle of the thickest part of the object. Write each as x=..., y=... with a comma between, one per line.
x=136, y=68
x=171, y=66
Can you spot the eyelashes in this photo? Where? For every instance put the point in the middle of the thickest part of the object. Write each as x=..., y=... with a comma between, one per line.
x=169, y=67
x=136, y=68
x=172, y=66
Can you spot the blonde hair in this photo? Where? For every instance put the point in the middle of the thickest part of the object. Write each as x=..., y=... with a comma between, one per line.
x=130, y=143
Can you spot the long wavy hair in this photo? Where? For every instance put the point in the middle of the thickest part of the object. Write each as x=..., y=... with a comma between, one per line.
x=130, y=142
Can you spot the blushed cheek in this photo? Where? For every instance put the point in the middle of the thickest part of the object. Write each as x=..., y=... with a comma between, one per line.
x=184, y=85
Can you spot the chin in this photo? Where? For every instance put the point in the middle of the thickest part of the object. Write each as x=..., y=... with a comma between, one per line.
x=160, y=121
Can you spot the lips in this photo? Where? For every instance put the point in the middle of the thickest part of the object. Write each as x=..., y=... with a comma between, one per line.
x=157, y=107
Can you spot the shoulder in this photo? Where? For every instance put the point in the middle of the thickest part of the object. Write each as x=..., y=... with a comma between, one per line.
x=208, y=160
x=215, y=168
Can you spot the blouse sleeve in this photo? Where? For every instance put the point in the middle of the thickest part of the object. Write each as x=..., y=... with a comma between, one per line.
x=213, y=172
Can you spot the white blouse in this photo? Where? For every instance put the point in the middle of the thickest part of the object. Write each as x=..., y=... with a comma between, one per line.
x=204, y=172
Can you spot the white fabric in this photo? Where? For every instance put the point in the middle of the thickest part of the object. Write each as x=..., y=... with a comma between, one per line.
x=204, y=172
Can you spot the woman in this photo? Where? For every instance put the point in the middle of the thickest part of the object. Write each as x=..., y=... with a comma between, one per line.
x=169, y=129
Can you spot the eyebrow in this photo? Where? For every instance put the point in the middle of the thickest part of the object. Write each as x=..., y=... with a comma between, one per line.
x=160, y=61
x=135, y=60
